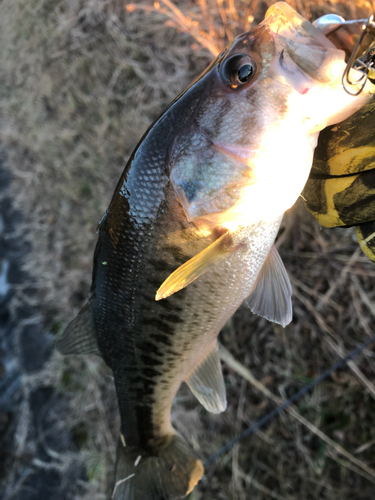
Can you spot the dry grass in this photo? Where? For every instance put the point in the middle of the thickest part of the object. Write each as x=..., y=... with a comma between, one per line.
x=80, y=82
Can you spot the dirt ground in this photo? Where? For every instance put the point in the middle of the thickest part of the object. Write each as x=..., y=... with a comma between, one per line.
x=80, y=81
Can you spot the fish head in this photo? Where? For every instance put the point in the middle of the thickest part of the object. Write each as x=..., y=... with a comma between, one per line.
x=247, y=153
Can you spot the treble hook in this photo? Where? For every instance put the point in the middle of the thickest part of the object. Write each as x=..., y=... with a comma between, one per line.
x=365, y=69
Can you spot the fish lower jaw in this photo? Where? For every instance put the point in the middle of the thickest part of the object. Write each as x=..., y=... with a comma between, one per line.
x=334, y=105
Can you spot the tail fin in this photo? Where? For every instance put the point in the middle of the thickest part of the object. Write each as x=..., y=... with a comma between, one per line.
x=169, y=474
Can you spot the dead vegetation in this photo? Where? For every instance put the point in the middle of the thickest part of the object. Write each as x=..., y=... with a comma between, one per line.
x=80, y=82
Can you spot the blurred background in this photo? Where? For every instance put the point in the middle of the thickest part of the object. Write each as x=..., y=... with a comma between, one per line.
x=80, y=82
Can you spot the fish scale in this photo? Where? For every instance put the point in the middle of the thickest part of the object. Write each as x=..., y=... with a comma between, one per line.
x=196, y=327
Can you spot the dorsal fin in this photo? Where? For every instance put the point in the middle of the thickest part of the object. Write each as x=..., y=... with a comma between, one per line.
x=271, y=294
x=207, y=384
x=79, y=337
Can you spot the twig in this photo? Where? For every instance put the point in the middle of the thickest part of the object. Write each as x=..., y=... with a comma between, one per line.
x=357, y=372
x=364, y=446
x=370, y=305
x=335, y=347
x=224, y=18
x=259, y=486
x=346, y=464
x=235, y=454
x=357, y=305
x=316, y=314
x=339, y=280
x=313, y=293
x=363, y=469
x=182, y=21
x=120, y=482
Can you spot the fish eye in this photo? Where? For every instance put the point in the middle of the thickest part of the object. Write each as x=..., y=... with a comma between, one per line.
x=238, y=70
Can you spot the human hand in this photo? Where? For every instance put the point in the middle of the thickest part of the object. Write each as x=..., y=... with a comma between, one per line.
x=341, y=188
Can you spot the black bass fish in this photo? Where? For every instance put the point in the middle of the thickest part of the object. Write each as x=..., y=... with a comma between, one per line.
x=189, y=233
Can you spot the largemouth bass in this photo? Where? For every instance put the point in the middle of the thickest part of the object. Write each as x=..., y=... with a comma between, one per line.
x=189, y=233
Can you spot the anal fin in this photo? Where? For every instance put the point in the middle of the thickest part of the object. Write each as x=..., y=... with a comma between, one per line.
x=79, y=336
x=207, y=383
x=272, y=292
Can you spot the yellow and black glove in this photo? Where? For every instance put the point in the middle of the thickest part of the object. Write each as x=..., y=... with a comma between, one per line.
x=341, y=187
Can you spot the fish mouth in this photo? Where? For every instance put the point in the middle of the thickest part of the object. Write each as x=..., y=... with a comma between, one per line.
x=303, y=44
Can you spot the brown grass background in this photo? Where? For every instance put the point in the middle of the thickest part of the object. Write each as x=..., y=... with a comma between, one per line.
x=80, y=81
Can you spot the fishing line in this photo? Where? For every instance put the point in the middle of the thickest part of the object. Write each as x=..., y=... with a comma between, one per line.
x=279, y=409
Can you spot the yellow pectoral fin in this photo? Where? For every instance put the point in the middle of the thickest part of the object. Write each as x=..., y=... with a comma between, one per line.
x=196, y=266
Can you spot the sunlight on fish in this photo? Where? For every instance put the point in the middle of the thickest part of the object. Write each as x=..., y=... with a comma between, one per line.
x=306, y=71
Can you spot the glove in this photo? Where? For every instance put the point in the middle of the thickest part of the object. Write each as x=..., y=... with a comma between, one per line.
x=341, y=188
